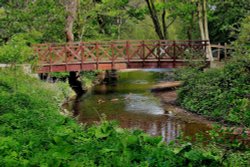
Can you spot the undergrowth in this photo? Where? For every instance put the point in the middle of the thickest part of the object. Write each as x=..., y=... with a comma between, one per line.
x=223, y=94
x=34, y=133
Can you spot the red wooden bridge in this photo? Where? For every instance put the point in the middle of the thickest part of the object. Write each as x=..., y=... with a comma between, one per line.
x=105, y=55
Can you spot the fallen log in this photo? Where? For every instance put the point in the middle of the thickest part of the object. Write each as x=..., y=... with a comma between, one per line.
x=166, y=86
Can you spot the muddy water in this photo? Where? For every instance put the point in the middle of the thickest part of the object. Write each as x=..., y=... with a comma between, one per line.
x=131, y=102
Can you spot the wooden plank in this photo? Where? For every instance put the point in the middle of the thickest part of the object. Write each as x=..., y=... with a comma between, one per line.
x=220, y=46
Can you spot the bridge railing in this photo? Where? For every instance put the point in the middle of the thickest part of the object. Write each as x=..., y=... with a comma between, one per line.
x=122, y=51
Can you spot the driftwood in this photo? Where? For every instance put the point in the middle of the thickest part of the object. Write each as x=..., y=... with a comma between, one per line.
x=166, y=86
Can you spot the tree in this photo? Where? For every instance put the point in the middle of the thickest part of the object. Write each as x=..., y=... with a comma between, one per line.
x=242, y=43
x=71, y=8
x=160, y=25
x=165, y=13
x=203, y=24
x=225, y=19
x=25, y=16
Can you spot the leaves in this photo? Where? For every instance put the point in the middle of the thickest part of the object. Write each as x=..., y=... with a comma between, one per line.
x=219, y=93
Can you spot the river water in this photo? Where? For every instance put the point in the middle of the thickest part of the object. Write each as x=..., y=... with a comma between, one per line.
x=131, y=102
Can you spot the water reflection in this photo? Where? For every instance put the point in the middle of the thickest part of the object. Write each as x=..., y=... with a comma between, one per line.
x=131, y=103
x=137, y=103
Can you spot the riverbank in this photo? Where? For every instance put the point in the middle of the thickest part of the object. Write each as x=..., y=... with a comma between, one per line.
x=168, y=96
x=221, y=94
x=169, y=99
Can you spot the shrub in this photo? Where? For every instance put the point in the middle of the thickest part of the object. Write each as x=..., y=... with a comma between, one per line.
x=220, y=93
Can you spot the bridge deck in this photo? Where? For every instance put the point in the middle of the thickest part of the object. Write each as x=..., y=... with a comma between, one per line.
x=103, y=55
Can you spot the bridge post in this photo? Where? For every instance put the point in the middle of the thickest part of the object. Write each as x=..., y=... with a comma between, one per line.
x=127, y=53
x=82, y=54
x=189, y=47
x=158, y=54
x=143, y=53
x=225, y=51
x=174, y=53
x=218, y=55
x=50, y=59
x=112, y=56
x=66, y=57
x=97, y=55
x=43, y=76
x=111, y=76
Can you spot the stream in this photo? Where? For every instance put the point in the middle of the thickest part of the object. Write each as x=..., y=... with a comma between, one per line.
x=131, y=103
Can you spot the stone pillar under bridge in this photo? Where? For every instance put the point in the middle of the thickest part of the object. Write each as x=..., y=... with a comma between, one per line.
x=111, y=76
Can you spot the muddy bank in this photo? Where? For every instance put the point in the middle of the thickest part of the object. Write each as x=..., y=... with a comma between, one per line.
x=169, y=99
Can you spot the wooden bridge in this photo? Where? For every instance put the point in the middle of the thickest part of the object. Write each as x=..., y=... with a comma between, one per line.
x=106, y=55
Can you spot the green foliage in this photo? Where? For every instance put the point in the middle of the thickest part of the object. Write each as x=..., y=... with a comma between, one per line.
x=16, y=50
x=33, y=133
x=88, y=78
x=242, y=44
x=225, y=17
x=229, y=144
x=220, y=93
x=104, y=19
x=109, y=19
x=65, y=90
x=59, y=74
x=46, y=17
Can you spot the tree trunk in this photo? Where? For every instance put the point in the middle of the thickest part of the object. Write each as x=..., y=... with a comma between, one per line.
x=202, y=15
x=206, y=33
x=164, y=26
x=200, y=19
x=190, y=28
x=71, y=8
x=155, y=19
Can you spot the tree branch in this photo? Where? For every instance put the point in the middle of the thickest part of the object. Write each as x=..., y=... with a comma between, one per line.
x=155, y=18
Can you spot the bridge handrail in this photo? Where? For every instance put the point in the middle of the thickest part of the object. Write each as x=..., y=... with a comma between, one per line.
x=122, y=42
x=111, y=52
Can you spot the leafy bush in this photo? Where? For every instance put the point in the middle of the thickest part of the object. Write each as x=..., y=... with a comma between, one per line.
x=88, y=78
x=17, y=49
x=220, y=93
x=242, y=44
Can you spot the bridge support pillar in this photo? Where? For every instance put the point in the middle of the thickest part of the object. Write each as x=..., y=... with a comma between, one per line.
x=75, y=84
x=43, y=76
x=46, y=77
x=111, y=76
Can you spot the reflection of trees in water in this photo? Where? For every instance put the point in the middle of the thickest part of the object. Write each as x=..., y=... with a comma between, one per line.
x=168, y=128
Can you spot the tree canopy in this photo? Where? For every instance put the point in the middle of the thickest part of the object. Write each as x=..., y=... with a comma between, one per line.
x=122, y=19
